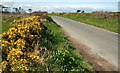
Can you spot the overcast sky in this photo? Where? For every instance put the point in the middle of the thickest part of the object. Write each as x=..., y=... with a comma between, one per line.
x=61, y=0
x=64, y=5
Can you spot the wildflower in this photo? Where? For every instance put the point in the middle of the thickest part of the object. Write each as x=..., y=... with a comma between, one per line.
x=20, y=43
x=4, y=63
x=13, y=63
x=12, y=30
x=3, y=34
x=37, y=57
x=14, y=21
x=14, y=53
x=4, y=43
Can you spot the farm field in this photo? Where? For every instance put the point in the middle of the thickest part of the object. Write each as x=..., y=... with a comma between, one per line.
x=108, y=21
x=30, y=44
x=7, y=19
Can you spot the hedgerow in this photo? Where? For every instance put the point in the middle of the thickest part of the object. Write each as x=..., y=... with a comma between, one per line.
x=31, y=46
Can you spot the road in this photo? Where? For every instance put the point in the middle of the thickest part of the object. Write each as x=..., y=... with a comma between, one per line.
x=102, y=42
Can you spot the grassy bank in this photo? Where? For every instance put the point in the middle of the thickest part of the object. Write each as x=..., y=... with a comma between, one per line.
x=108, y=23
x=65, y=57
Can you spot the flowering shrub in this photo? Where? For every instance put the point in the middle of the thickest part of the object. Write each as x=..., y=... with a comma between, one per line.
x=20, y=44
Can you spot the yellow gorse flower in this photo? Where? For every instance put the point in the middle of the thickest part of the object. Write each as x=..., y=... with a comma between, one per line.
x=12, y=30
x=22, y=35
x=5, y=43
x=20, y=43
x=3, y=64
x=14, y=54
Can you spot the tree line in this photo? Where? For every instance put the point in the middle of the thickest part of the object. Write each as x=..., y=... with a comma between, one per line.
x=82, y=11
x=5, y=9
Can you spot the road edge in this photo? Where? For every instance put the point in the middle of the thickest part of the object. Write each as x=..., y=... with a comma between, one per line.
x=98, y=63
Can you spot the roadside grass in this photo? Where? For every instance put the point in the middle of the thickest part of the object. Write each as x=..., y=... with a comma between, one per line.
x=106, y=23
x=64, y=56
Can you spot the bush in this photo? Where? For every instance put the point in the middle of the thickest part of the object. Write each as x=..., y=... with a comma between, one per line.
x=20, y=46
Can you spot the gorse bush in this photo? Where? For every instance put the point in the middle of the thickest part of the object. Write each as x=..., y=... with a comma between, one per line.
x=31, y=46
x=20, y=45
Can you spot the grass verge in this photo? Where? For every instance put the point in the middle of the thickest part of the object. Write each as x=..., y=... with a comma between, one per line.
x=64, y=57
x=106, y=23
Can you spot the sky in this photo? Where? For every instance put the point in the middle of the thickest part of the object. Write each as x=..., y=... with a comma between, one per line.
x=64, y=5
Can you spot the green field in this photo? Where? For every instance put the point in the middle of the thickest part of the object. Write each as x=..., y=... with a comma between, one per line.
x=110, y=24
x=7, y=19
x=5, y=26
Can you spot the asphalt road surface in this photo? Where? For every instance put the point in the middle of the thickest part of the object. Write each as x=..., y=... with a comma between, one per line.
x=102, y=42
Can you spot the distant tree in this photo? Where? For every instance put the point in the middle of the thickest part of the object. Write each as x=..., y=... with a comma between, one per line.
x=39, y=10
x=20, y=8
x=83, y=11
x=16, y=10
x=30, y=10
x=53, y=12
x=3, y=8
x=23, y=11
x=6, y=10
x=78, y=11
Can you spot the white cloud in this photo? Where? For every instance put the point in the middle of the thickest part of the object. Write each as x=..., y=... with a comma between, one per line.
x=60, y=0
x=65, y=6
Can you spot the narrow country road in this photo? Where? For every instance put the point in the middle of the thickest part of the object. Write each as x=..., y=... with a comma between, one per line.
x=102, y=42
